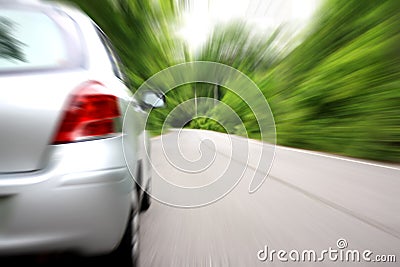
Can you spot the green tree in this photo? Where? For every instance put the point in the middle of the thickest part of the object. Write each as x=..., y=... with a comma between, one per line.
x=10, y=47
x=141, y=31
x=236, y=44
x=339, y=91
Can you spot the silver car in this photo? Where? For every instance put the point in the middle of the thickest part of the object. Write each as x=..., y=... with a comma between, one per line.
x=74, y=170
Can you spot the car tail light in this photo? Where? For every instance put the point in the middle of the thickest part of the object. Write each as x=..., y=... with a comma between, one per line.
x=90, y=113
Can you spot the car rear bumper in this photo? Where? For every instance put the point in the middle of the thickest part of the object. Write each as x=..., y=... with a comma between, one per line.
x=80, y=202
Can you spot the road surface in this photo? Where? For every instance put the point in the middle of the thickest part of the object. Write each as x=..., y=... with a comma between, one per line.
x=310, y=201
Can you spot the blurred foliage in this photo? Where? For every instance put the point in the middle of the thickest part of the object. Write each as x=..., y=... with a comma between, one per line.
x=10, y=47
x=236, y=45
x=184, y=103
x=206, y=123
x=142, y=32
x=338, y=90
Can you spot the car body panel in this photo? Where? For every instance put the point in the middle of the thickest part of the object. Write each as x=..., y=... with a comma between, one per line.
x=68, y=206
x=28, y=119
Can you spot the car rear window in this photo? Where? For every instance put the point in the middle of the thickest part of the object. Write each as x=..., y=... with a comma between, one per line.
x=31, y=40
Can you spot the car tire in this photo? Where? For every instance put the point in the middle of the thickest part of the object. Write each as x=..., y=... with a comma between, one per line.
x=127, y=253
x=146, y=202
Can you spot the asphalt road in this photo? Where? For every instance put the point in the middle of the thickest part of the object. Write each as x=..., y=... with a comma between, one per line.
x=308, y=202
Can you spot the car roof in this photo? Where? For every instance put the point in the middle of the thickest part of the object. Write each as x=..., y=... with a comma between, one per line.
x=39, y=4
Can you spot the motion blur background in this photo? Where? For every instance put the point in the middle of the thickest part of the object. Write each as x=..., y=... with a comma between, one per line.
x=330, y=70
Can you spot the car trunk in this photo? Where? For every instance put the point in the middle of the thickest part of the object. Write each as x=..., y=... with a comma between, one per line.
x=30, y=109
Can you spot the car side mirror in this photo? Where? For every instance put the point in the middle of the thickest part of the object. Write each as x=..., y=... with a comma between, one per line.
x=153, y=100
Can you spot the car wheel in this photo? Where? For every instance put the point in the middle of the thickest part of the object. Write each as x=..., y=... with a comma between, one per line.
x=127, y=253
x=146, y=201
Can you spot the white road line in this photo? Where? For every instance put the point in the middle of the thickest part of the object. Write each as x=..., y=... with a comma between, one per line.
x=314, y=153
x=338, y=157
